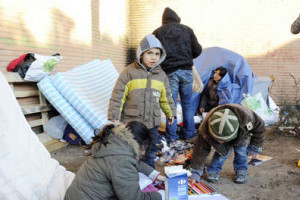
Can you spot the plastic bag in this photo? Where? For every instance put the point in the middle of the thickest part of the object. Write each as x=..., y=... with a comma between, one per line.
x=259, y=106
x=41, y=67
x=56, y=127
x=197, y=82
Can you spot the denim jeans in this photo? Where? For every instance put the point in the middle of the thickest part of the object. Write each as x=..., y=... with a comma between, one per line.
x=181, y=81
x=239, y=162
x=151, y=154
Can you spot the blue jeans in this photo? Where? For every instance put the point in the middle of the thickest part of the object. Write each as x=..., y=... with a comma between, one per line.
x=151, y=154
x=181, y=81
x=239, y=162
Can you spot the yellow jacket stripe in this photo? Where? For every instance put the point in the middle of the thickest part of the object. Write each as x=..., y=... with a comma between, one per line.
x=142, y=84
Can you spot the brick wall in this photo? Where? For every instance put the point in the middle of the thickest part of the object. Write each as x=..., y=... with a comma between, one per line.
x=71, y=28
x=259, y=30
x=84, y=30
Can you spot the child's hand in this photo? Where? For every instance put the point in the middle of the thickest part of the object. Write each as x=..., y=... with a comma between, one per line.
x=171, y=120
x=192, y=181
x=201, y=110
x=160, y=178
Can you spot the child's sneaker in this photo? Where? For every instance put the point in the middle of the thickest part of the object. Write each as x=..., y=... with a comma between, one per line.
x=241, y=177
x=212, y=177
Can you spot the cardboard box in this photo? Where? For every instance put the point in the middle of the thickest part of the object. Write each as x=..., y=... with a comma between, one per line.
x=177, y=187
x=176, y=183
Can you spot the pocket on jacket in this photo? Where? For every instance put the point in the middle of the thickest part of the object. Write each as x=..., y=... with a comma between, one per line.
x=131, y=112
x=157, y=113
x=157, y=117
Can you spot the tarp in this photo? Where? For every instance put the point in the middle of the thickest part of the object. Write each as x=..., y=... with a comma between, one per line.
x=27, y=170
x=82, y=95
x=237, y=81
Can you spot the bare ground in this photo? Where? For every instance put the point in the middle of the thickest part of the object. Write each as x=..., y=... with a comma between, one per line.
x=277, y=179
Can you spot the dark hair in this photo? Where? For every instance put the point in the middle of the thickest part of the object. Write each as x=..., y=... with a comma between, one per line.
x=102, y=135
x=139, y=130
x=222, y=70
x=141, y=134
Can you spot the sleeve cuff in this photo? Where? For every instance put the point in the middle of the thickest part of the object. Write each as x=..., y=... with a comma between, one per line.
x=153, y=175
x=196, y=174
x=253, y=149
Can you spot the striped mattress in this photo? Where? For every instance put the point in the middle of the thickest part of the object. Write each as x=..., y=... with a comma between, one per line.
x=82, y=95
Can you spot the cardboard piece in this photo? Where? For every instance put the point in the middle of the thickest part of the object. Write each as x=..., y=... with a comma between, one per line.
x=259, y=160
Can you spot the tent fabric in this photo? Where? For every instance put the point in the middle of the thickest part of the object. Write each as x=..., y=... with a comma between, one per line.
x=237, y=81
x=27, y=170
x=84, y=94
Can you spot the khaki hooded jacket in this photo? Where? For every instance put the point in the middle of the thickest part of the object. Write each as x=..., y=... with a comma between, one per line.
x=139, y=93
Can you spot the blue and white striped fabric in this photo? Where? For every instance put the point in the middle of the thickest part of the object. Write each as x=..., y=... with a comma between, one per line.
x=87, y=89
x=83, y=128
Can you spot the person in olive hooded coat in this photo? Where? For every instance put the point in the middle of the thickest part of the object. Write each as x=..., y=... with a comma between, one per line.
x=111, y=172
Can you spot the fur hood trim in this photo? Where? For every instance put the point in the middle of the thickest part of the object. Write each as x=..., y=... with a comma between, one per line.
x=125, y=135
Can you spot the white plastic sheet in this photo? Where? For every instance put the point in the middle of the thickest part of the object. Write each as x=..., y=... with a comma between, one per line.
x=27, y=170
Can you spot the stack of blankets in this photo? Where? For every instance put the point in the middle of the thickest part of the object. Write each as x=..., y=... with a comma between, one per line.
x=82, y=95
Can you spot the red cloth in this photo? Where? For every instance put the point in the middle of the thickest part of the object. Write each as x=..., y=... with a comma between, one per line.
x=15, y=62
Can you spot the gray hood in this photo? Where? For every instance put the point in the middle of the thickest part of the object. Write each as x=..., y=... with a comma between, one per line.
x=121, y=142
x=150, y=41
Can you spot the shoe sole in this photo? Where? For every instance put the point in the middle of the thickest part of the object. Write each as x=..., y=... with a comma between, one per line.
x=240, y=182
x=212, y=181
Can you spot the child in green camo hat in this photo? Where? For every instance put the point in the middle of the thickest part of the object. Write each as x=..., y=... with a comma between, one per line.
x=227, y=127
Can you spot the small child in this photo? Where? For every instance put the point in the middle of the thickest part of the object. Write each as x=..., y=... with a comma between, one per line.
x=142, y=90
x=210, y=98
x=227, y=128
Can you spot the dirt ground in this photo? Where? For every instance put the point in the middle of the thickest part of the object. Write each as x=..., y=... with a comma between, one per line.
x=276, y=179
